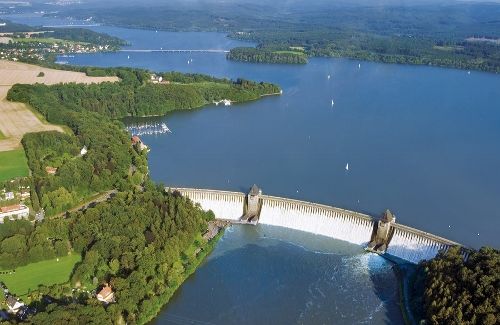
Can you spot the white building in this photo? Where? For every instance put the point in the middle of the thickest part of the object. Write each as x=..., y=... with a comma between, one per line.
x=14, y=304
x=13, y=212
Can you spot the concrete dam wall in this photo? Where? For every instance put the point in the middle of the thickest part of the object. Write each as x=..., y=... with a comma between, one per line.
x=380, y=236
x=318, y=219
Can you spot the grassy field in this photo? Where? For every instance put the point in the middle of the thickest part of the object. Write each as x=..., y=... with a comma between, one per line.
x=13, y=163
x=46, y=272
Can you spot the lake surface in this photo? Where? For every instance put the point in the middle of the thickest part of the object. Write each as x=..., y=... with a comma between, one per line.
x=422, y=141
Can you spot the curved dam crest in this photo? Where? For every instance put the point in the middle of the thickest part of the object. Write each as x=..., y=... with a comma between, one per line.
x=403, y=242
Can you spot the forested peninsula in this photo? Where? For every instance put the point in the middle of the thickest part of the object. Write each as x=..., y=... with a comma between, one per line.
x=138, y=239
x=266, y=55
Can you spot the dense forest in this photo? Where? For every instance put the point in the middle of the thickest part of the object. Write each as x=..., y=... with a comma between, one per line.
x=449, y=290
x=461, y=35
x=135, y=96
x=263, y=55
x=142, y=241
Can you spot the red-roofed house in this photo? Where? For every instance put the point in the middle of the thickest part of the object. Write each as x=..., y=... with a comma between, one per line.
x=51, y=170
x=106, y=295
x=136, y=141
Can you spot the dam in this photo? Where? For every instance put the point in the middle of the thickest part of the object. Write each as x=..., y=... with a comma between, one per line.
x=382, y=236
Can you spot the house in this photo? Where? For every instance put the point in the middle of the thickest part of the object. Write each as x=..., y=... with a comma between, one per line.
x=13, y=212
x=106, y=295
x=84, y=151
x=14, y=304
x=9, y=196
x=51, y=170
x=136, y=141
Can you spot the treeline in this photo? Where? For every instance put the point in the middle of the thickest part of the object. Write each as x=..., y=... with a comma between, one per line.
x=21, y=243
x=263, y=55
x=449, y=290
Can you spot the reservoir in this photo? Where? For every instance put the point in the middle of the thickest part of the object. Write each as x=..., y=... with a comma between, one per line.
x=422, y=141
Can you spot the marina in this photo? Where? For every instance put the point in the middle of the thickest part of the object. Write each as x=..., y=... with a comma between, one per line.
x=140, y=129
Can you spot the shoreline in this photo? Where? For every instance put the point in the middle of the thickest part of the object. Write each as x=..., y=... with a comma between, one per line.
x=404, y=272
x=190, y=270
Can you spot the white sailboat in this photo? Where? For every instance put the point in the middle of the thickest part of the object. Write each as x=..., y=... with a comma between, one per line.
x=347, y=166
x=333, y=103
x=328, y=77
x=128, y=57
x=359, y=65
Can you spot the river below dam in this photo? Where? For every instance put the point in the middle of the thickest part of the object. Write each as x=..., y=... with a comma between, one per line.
x=422, y=141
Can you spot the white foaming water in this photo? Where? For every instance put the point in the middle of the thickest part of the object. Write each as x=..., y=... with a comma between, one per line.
x=333, y=223
x=413, y=247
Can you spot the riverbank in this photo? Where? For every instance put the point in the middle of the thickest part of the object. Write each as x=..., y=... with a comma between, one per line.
x=405, y=273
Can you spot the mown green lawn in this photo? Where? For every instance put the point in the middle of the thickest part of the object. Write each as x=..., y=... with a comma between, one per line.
x=45, y=272
x=13, y=163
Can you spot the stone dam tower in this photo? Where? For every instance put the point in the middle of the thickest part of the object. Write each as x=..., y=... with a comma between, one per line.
x=381, y=233
x=383, y=236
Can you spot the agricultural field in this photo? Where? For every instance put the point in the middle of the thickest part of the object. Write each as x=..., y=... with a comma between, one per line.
x=16, y=119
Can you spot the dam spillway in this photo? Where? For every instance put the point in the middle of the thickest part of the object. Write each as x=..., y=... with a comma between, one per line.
x=401, y=241
x=319, y=219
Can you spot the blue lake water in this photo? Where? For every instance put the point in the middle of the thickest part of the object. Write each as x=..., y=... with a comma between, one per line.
x=422, y=141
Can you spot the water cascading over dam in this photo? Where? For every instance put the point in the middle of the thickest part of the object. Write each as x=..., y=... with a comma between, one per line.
x=382, y=236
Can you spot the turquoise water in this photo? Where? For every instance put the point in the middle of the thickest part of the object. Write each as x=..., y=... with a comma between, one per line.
x=422, y=141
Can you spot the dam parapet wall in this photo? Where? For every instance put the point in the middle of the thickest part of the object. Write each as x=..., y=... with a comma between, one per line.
x=401, y=241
